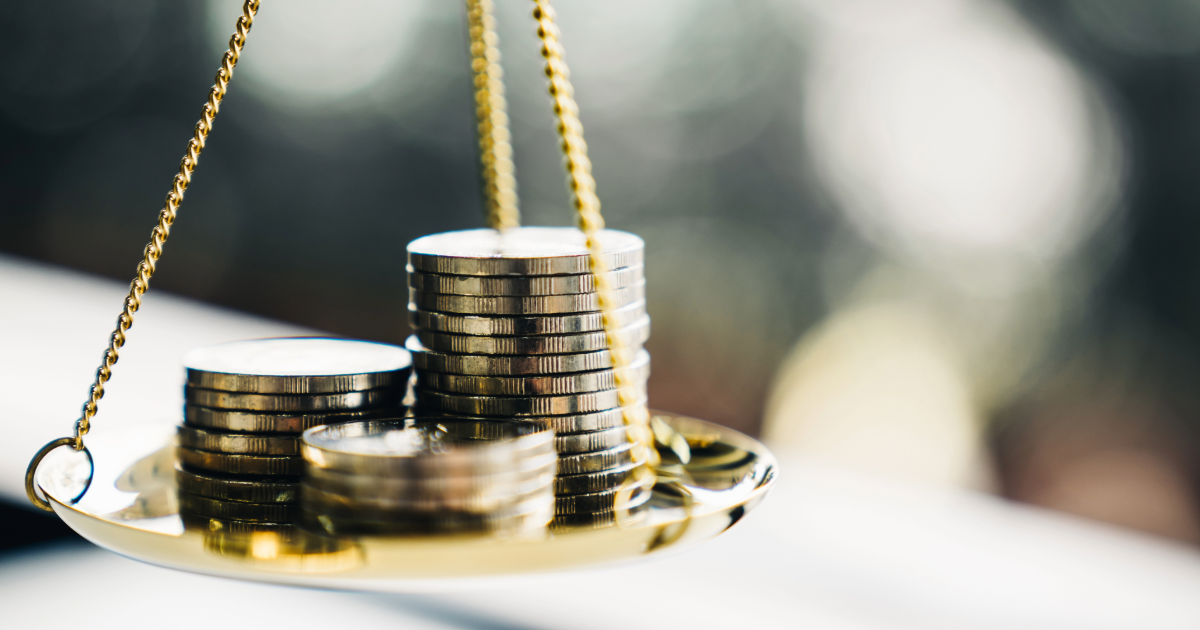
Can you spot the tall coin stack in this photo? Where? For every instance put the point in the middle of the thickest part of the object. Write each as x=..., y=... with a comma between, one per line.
x=418, y=476
x=507, y=325
x=247, y=403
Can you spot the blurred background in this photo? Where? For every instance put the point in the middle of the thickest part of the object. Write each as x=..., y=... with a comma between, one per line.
x=941, y=239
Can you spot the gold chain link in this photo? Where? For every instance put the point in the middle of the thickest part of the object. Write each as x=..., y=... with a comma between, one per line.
x=587, y=208
x=491, y=110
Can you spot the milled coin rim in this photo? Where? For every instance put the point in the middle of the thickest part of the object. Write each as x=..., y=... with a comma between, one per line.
x=388, y=366
x=520, y=325
x=634, y=334
x=266, y=490
x=265, y=465
x=239, y=510
x=597, y=461
x=520, y=406
x=520, y=286
x=282, y=423
x=590, y=441
x=428, y=254
x=238, y=443
x=538, y=305
x=494, y=365
x=540, y=385
x=296, y=403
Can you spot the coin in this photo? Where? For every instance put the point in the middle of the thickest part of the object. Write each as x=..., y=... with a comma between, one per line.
x=603, y=501
x=245, y=444
x=240, y=464
x=591, y=441
x=578, y=423
x=522, y=325
x=264, y=490
x=522, y=286
x=635, y=334
x=262, y=512
x=598, y=461
x=222, y=526
x=524, y=251
x=488, y=365
x=505, y=406
x=579, y=382
x=537, y=305
x=297, y=365
x=251, y=422
x=592, y=482
x=276, y=403
x=428, y=448
x=478, y=503
x=451, y=490
x=566, y=523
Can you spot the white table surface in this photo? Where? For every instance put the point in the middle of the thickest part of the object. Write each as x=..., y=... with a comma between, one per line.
x=831, y=548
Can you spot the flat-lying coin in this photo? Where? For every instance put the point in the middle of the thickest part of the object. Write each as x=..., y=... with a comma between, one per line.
x=537, y=305
x=598, y=461
x=261, y=512
x=490, y=365
x=323, y=503
x=603, y=501
x=242, y=443
x=521, y=325
x=592, y=482
x=251, y=422
x=524, y=251
x=264, y=490
x=427, y=449
x=634, y=334
x=277, y=403
x=579, y=382
x=297, y=365
x=240, y=464
x=591, y=441
x=505, y=406
x=520, y=286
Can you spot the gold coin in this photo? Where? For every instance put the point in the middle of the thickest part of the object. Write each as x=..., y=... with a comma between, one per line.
x=240, y=464
x=237, y=510
x=240, y=443
x=263, y=490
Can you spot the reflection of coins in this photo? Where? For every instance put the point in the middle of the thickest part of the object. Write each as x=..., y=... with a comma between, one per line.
x=633, y=335
x=297, y=365
x=565, y=523
x=595, y=462
x=240, y=464
x=520, y=285
x=253, y=422
x=277, y=403
x=548, y=385
x=591, y=441
x=524, y=251
x=263, y=490
x=316, y=502
x=536, y=305
x=464, y=489
x=475, y=503
x=242, y=443
x=522, y=325
x=237, y=510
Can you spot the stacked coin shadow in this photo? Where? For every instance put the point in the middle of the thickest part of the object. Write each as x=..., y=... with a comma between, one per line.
x=248, y=402
x=421, y=476
x=507, y=325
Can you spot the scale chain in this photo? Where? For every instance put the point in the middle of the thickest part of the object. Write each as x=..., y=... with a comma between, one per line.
x=154, y=250
x=590, y=221
x=501, y=208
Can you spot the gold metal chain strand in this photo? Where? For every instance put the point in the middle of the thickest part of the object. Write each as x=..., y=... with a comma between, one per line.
x=491, y=110
x=158, y=236
x=587, y=207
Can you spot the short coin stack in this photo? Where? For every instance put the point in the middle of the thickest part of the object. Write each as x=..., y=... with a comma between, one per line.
x=507, y=325
x=247, y=403
x=426, y=476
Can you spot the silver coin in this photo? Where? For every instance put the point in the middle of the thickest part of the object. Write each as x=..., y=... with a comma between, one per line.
x=524, y=251
x=264, y=490
x=506, y=406
x=537, y=305
x=268, y=465
x=424, y=447
x=251, y=422
x=634, y=334
x=522, y=325
x=240, y=443
x=489, y=365
x=580, y=382
x=578, y=423
x=592, y=482
x=276, y=403
x=591, y=441
x=603, y=501
x=297, y=365
x=520, y=286
x=598, y=461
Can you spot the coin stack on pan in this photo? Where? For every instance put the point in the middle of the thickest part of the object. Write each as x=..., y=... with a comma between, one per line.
x=507, y=325
x=428, y=476
x=247, y=403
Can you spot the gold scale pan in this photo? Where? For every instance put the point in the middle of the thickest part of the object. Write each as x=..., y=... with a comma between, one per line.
x=119, y=490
